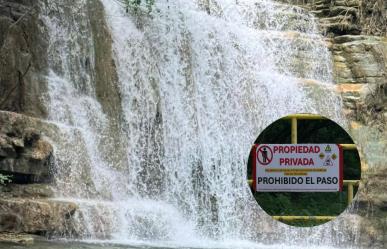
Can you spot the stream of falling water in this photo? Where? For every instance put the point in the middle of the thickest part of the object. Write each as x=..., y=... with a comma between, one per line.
x=198, y=81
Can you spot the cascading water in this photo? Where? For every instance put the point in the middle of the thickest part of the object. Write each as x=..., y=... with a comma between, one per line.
x=198, y=80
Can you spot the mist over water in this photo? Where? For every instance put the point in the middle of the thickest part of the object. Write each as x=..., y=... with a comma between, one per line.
x=197, y=81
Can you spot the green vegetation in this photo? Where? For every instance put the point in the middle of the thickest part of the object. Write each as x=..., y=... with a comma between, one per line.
x=136, y=4
x=4, y=179
x=306, y=204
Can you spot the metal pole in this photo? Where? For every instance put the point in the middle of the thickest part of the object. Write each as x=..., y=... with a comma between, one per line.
x=304, y=116
x=350, y=193
x=349, y=146
x=293, y=218
x=294, y=130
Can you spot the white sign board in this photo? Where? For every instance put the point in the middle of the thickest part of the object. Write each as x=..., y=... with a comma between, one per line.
x=297, y=167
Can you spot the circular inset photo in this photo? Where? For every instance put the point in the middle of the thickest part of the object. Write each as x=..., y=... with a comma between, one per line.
x=304, y=170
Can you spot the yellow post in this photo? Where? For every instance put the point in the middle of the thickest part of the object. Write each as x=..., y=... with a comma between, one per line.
x=350, y=193
x=303, y=218
x=305, y=116
x=294, y=130
x=349, y=146
x=353, y=182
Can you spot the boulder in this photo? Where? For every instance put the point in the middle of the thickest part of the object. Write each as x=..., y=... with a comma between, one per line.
x=25, y=153
x=37, y=216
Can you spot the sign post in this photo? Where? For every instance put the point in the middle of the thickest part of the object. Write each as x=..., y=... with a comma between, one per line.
x=297, y=167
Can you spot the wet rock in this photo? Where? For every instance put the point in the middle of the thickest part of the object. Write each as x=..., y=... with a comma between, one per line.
x=13, y=238
x=360, y=59
x=344, y=17
x=374, y=196
x=22, y=58
x=24, y=153
x=106, y=78
x=336, y=17
x=373, y=14
x=360, y=69
x=371, y=205
x=26, y=190
x=339, y=25
x=6, y=149
x=365, y=103
x=371, y=199
x=37, y=216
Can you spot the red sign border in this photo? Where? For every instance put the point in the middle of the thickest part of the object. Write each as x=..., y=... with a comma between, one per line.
x=341, y=167
x=254, y=158
x=271, y=151
x=254, y=165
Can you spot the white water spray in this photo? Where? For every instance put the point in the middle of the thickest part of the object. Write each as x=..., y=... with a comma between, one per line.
x=198, y=81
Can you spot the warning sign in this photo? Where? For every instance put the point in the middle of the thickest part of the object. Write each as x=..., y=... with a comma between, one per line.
x=264, y=155
x=297, y=167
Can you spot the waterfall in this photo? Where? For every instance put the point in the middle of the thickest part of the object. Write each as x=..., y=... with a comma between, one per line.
x=198, y=80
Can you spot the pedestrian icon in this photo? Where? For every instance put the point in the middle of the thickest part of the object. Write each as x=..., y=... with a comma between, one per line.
x=264, y=155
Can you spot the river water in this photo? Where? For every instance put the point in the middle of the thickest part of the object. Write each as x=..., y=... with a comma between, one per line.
x=154, y=245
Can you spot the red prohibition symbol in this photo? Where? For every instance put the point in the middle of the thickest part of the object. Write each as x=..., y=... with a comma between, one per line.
x=264, y=155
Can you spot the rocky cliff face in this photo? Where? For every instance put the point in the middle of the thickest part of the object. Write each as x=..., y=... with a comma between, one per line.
x=360, y=68
x=22, y=58
x=347, y=17
x=26, y=153
x=26, y=156
x=358, y=33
